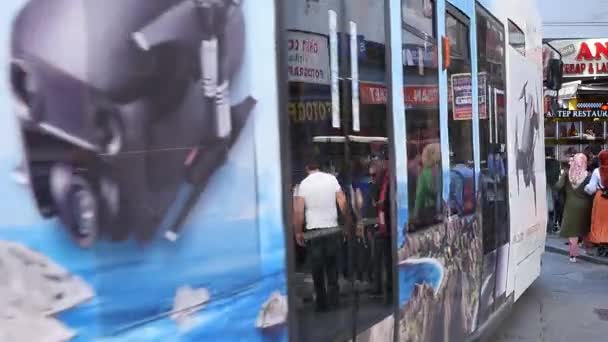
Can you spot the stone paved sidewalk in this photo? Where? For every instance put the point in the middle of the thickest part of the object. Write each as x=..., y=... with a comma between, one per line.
x=556, y=244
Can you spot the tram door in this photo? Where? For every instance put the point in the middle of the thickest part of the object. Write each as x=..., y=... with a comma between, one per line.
x=494, y=186
x=337, y=105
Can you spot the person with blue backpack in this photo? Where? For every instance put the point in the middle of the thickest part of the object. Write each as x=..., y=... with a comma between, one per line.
x=382, y=238
x=462, y=190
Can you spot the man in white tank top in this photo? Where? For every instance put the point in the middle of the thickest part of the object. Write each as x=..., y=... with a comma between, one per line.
x=315, y=203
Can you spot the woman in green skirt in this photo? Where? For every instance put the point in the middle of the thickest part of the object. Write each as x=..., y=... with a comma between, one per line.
x=577, y=210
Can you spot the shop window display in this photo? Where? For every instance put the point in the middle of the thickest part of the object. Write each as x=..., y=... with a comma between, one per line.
x=550, y=129
x=593, y=129
x=569, y=129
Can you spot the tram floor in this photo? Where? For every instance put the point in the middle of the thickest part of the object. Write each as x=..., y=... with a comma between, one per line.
x=339, y=323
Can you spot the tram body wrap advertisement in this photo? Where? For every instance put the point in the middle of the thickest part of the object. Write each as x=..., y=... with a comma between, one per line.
x=142, y=183
x=129, y=170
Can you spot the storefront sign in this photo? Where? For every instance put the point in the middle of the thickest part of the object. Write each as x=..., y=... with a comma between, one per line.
x=421, y=95
x=583, y=57
x=428, y=95
x=373, y=94
x=461, y=96
x=568, y=90
x=482, y=80
x=309, y=111
x=578, y=114
x=415, y=95
x=308, y=58
x=462, y=104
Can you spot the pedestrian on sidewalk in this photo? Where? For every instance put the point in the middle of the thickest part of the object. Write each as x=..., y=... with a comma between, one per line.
x=577, y=209
x=598, y=187
x=552, y=167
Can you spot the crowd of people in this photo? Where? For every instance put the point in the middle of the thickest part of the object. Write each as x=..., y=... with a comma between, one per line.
x=577, y=197
x=353, y=239
x=323, y=231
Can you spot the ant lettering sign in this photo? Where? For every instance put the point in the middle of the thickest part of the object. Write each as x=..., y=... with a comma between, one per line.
x=583, y=57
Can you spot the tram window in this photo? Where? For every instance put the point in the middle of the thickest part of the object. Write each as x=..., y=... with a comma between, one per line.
x=341, y=283
x=422, y=113
x=418, y=16
x=492, y=129
x=517, y=38
x=460, y=116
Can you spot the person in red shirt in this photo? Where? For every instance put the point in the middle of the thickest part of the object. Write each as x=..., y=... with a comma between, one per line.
x=382, y=240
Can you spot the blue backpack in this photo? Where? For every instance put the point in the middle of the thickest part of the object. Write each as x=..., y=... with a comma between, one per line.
x=462, y=190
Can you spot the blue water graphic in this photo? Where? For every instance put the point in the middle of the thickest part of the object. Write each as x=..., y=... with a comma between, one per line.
x=414, y=272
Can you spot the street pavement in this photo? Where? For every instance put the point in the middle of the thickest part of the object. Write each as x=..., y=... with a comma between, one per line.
x=569, y=302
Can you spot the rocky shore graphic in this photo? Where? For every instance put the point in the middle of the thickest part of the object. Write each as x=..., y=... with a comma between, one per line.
x=448, y=312
x=380, y=332
x=186, y=303
x=273, y=312
x=33, y=289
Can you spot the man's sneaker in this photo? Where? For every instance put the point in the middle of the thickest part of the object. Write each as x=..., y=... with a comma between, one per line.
x=573, y=259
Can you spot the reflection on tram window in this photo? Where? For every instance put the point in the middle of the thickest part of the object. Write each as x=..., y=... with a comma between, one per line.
x=517, y=38
x=460, y=113
x=492, y=130
x=342, y=229
x=422, y=113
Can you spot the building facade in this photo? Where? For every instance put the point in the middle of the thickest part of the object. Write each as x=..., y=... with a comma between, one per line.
x=575, y=117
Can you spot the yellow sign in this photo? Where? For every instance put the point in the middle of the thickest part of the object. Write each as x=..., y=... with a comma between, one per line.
x=309, y=111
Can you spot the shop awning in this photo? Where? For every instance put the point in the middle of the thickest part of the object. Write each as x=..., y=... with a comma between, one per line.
x=593, y=89
x=573, y=89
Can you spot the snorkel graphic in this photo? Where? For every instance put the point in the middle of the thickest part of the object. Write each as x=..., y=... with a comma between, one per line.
x=134, y=108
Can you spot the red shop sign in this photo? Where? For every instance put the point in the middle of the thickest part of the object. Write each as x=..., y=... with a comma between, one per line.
x=420, y=95
x=373, y=94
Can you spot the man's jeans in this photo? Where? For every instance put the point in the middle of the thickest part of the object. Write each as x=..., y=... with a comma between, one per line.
x=324, y=260
x=383, y=264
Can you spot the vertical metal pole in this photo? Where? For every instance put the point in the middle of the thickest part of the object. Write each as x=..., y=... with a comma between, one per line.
x=396, y=123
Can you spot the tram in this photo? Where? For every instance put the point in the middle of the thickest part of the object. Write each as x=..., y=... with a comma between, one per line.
x=153, y=152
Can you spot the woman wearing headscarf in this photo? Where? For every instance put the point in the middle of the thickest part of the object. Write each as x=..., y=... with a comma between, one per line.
x=598, y=186
x=577, y=209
